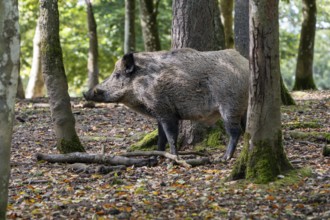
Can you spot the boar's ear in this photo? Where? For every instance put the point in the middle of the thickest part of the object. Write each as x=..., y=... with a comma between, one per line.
x=128, y=63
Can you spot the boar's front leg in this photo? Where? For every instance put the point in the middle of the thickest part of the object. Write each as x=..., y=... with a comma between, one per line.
x=162, y=140
x=171, y=130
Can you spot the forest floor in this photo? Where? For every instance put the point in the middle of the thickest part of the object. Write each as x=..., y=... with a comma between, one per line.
x=41, y=190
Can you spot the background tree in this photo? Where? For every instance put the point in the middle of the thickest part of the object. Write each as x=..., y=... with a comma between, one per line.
x=241, y=27
x=193, y=26
x=9, y=69
x=263, y=156
x=35, y=87
x=304, y=69
x=227, y=7
x=20, y=89
x=129, y=39
x=148, y=12
x=93, y=68
x=55, y=78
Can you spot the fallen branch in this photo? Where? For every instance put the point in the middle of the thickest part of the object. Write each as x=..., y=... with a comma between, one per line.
x=157, y=153
x=78, y=157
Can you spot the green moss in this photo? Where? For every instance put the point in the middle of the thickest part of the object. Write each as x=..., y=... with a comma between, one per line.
x=263, y=163
x=65, y=146
x=308, y=124
x=213, y=139
x=310, y=136
x=148, y=142
x=326, y=151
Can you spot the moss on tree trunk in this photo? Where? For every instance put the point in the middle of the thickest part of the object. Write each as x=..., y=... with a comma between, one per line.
x=263, y=163
x=69, y=146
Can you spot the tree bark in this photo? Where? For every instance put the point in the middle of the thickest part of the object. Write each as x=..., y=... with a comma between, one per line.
x=9, y=69
x=242, y=40
x=92, y=65
x=55, y=79
x=220, y=43
x=263, y=156
x=193, y=26
x=148, y=13
x=304, y=69
x=20, y=90
x=129, y=41
x=227, y=17
x=241, y=27
x=35, y=87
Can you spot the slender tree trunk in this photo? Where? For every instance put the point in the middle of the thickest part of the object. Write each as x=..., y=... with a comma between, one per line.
x=242, y=40
x=9, y=69
x=35, y=87
x=55, y=78
x=263, y=156
x=148, y=12
x=93, y=68
x=227, y=7
x=219, y=31
x=193, y=26
x=129, y=41
x=304, y=70
x=20, y=90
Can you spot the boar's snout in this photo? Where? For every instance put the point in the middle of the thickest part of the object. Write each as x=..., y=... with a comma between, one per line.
x=96, y=95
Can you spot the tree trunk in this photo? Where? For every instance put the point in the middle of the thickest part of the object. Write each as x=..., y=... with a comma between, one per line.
x=263, y=156
x=148, y=12
x=220, y=43
x=93, y=69
x=241, y=27
x=304, y=70
x=35, y=87
x=9, y=69
x=129, y=41
x=227, y=17
x=242, y=41
x=20, y=90
x=193, y=26
x=55, y=78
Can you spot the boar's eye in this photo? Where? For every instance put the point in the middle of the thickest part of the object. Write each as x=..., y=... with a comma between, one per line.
x=117, y=75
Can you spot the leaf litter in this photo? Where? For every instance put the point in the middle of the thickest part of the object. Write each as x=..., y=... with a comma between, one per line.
x=40, y=190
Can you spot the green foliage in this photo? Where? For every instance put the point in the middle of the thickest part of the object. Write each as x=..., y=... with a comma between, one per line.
x=109, y=15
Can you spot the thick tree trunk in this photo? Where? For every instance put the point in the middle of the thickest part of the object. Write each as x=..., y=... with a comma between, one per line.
x=227, y=17
x=35, y=87
x=263, y=156
x=193, y=26
x=9, y=69
x=148, y=13
x=129, y=41
x=55, y=78
x=242, y=41
x=304, y=70
x=93, y=68
x=241, y=27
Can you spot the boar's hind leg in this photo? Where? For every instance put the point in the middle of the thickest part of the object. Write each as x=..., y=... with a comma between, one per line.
x=162, y=140
x=171, y=130
x=234, y=131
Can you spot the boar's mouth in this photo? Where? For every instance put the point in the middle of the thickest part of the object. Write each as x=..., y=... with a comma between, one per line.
x=96, y=95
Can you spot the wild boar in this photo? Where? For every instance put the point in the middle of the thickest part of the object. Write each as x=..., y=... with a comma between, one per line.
x=181, y=84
